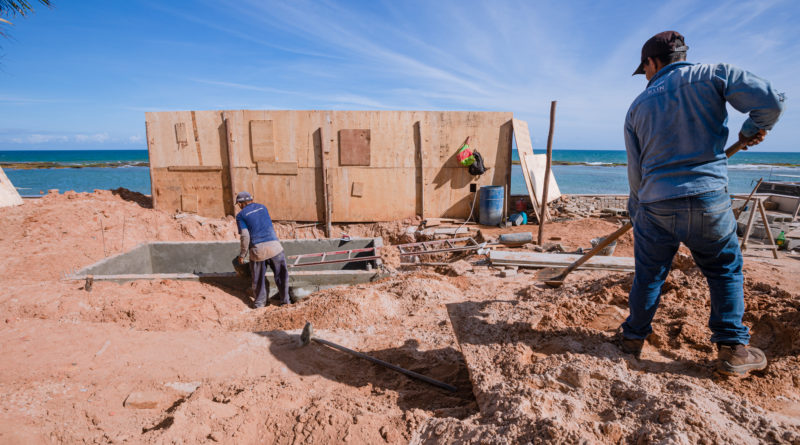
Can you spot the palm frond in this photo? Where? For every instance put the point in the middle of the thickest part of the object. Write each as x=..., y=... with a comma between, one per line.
x=11, y=8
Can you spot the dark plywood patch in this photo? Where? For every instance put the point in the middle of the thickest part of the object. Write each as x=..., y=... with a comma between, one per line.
x=262, y=140
x=180, y=134
x=354, y=147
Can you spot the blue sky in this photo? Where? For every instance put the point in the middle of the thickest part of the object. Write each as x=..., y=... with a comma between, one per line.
x=81, y=75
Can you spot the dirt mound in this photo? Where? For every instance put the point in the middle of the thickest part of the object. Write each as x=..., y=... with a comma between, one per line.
x=531, y=364
x=547, y=368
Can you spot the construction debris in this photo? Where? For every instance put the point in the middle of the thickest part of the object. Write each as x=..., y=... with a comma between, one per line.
x=532, y=259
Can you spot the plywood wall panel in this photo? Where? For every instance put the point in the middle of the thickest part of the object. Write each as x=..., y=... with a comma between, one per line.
x=386, y=194
x=405, y=147
x=207, y=186
x=288, y=197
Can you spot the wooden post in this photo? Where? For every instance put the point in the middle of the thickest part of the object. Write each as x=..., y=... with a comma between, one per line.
x=231, y=168
x=767, y=227
x=547, y=170
x=150, y=143
x=325, y=189
x=749, y=226
x=421, y=159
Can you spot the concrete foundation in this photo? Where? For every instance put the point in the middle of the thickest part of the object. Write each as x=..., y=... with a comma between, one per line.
x=212, y=262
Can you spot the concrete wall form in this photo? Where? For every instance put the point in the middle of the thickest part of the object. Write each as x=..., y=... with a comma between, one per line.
x=371, y=165
x=211, y=261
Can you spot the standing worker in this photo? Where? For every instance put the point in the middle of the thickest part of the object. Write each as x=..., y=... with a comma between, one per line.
x=258, y=235
x=675, y=136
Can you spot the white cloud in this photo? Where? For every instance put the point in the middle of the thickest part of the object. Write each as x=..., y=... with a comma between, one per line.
x=43, y=138
x=97, y=137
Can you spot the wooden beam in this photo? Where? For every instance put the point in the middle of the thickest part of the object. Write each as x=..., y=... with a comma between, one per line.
x=421, y=161
x=323, y=151
x=276, y=168
x=533, y=259
x=547, y=170
x=523, y=138
x=230, y=142
x=194, y=168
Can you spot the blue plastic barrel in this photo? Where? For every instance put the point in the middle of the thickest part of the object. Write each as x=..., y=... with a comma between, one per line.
x=491, y=205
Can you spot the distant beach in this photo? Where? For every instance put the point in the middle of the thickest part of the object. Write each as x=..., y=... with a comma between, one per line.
x=576, y=171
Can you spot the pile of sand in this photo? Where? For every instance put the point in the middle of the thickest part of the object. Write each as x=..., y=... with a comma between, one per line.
x=531, y=364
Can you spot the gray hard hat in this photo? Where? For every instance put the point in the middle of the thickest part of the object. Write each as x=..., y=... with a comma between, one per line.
x=244, y=197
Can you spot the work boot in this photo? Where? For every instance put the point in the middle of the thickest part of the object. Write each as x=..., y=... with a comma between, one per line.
x=631, y=345
x=738, y=360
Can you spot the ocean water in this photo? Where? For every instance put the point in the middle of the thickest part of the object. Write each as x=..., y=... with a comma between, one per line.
x=576, y=171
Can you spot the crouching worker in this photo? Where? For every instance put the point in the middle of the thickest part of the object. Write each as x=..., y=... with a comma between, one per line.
x=258, y=235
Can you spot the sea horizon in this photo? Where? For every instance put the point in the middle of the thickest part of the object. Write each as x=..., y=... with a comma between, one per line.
x=577, y=171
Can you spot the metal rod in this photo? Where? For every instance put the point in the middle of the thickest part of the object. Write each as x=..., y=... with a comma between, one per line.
x=413, y=374
x=103, y=234
x=739, y=211
x=122, y=249
x=547, y=170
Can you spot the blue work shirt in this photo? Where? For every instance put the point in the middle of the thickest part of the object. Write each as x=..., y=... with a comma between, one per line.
x=675, y=131
x=255, y=218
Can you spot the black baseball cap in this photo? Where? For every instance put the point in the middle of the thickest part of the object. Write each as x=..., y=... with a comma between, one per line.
x=661, y=44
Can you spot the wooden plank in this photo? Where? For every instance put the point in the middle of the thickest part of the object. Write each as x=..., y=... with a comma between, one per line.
x=534, y=259
x=232, y=146
x=180, y=134
x=262, y=140
x=537, y=167
x=197, y=138
x=522, y=137
x=421, y=160
x=276, y=168
x=189, y=203
x=354, y=147
x=358, y=189
x=765, y=221
x=194, y=168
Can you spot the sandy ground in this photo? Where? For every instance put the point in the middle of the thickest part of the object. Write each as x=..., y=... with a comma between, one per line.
x=187, y=362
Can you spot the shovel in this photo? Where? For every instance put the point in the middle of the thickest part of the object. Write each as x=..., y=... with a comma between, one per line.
x=308, y=336
x=553, y=278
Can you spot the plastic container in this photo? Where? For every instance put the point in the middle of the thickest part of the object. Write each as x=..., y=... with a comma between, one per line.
x=519, y=219
x=491, y=205
x=605, y=251
x=515, y=239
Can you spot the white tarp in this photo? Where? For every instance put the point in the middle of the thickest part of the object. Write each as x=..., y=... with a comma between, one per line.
x=8, y=194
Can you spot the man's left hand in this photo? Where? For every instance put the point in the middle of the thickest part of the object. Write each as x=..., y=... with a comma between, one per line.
x=754, y=139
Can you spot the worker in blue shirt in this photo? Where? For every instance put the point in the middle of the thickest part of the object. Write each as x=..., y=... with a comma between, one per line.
x=675, y=136
x=258, y=236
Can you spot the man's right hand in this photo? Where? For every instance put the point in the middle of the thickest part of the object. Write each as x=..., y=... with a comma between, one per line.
x=754, y=139
x=241, y=260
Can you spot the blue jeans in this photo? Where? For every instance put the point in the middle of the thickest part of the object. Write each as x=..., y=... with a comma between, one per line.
x=705, y=224
x=260, y=283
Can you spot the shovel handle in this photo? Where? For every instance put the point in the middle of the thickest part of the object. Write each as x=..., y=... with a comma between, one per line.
x=730, y=151
x=735, y=148
x=391, y=366
x=600, y=246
